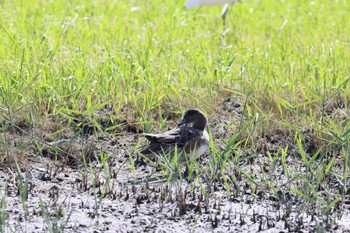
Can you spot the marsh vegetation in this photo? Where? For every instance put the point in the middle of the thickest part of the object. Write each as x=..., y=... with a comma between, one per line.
x=81, y=80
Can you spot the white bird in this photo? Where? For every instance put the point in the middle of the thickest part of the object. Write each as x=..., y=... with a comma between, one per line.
x=226, y=3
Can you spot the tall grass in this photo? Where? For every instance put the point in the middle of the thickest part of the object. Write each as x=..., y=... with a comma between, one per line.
x=58, y=55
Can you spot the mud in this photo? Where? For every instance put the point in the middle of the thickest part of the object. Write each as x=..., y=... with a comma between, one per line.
x=111, y=193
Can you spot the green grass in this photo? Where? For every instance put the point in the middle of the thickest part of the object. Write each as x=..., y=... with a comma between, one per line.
x=287, y=62
x=55, y=56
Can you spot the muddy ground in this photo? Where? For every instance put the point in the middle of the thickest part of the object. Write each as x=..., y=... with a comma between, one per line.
x=109, y=194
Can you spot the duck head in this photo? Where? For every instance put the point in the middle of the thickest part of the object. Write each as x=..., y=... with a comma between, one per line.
x=196, y=117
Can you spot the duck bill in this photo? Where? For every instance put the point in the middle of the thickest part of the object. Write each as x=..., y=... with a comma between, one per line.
x=182, y=122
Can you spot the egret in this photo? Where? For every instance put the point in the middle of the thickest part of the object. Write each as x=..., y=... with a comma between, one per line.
x=226, y=3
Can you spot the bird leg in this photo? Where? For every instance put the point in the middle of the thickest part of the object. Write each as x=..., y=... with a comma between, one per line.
x=223, y=14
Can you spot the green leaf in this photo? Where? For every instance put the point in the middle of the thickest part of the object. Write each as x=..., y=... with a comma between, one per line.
x=331, y=205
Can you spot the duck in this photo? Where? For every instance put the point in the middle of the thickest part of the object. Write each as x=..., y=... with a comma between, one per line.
x=189, y=137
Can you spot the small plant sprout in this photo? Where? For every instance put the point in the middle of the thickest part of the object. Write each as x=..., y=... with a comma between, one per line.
x=226, y=3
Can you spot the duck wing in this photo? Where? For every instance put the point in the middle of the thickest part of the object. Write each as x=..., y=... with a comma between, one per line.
x=167, y=141
x=168, y=137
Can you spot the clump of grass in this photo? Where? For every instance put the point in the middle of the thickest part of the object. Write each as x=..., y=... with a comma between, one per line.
x=55, y=220
x=23, y=189
x=3, y=209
